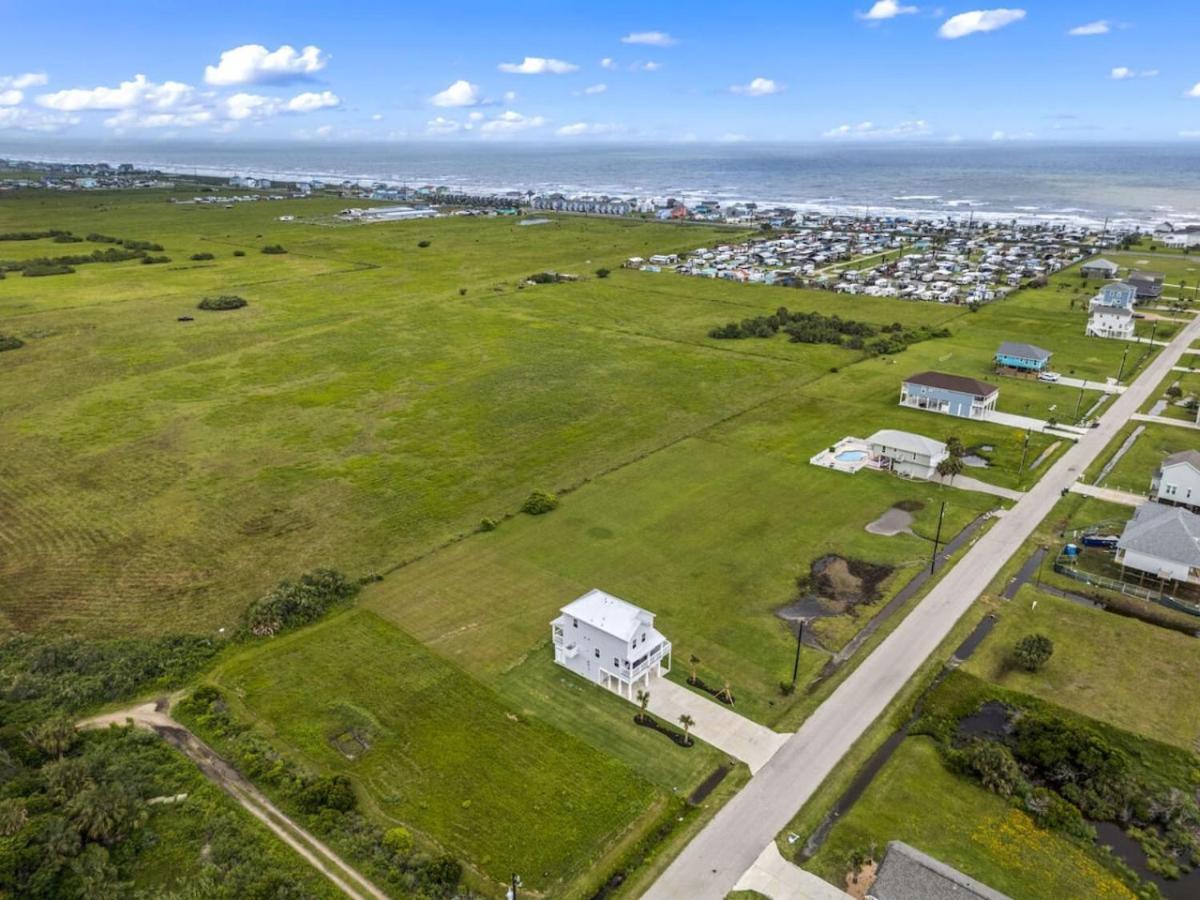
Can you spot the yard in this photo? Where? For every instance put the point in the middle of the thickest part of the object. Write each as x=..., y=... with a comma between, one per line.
x=432, y=748
x=916, y=799
x=1139, y=463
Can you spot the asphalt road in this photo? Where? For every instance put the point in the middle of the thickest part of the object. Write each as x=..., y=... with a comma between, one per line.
x=712, y=863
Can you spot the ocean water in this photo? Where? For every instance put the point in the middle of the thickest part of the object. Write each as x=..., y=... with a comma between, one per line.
x=1130, y=183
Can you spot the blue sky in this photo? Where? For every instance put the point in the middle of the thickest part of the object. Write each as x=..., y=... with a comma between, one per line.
x=541, y=71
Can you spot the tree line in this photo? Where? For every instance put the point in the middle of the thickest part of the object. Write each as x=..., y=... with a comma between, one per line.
x=816, y=328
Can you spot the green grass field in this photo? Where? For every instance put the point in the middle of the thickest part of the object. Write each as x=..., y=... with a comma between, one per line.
x=444, y=754
x=1135, y=676
x=915, y=799
x=1135, y=469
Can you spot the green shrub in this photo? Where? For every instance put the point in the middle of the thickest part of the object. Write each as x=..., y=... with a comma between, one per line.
x=539, y=503
x=239, y=252
x=8, y=342
x=1032, y=652
x=225, y=301
x=995, y=767
x=155, y=260
x=486, y=524
x=422, y=244
x=273, y=249
x=291, y=604
x=38, y=270
x=201, y=256
x=602, y=273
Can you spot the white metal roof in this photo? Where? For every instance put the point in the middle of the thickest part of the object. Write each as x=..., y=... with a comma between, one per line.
x=906, y=440
x=609, y=614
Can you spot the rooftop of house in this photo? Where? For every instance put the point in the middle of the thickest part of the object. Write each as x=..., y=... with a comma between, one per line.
x=908, y=874
x=1167, y=532
x=1145, y=276
x=1100, y=264
x=1190, y=457
x=906, y=440
x=1117, y=311
x=609, y=614
x=958, y=383
x=1023, y=351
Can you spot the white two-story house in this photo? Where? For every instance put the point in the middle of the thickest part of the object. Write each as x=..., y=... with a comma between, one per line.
x=610, y=642
x=1177, y=481
x=1111, y=322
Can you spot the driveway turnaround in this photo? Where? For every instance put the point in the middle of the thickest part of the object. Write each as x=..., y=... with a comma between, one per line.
x=1031, y=424
x=1163, y=420
x=775, y=877
x=732, y=842
x=967, y=483
x=716, y=723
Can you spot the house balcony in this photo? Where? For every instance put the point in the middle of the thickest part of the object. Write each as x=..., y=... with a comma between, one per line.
x=652, y=663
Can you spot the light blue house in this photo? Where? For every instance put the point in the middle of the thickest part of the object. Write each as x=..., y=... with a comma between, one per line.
x=951, y=395
x=1115, y=295
x=1026, y=357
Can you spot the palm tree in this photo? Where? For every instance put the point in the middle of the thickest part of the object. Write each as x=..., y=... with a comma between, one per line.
x=687, y=722
x=643, y=699
x=54, y=737
x=695, y=661
x=950, y=466
x=954, y=446
x=727, y=693
x=14, y=815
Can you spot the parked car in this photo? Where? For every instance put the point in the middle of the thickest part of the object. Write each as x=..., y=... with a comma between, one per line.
x=1049, y=376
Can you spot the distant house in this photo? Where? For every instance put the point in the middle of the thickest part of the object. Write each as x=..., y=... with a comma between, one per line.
x=1149, y=285
x=908, y=874
x=1162, y=541
x=609, y=642
x=907, y=454
x=1116, y=295
x=1026, y=357
x=1177, y=481
x=1111, y=322
x=952, y=395
x=1099, y=268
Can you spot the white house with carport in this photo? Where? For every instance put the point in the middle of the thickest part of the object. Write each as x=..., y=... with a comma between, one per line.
x=610, y=642
x=1177, y=481
x=1163, y=542
x=907, y=454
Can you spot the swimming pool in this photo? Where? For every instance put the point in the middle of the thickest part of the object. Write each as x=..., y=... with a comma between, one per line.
x=851, y=456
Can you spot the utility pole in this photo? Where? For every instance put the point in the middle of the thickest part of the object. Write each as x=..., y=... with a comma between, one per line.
x=1079, y=402
x=1024, y=452
x=796, y=664
x=1121, y=371
x=937, y=539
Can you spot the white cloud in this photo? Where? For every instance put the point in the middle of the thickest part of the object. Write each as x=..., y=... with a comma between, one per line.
x=538, y=65
x=311, y=101
x=510, y=96
x=607, y=63
x=1101, y=26
x=243, y=106
x=650, y=66
x=653, y=38
x=377, y=117
x=999, y=135
x=869, y=131
x=26, y=80
x=593, y=89
x=461, y=93
x=580, y=129
x=11, y=97
x=255, y=64
x=758, y=87
x=1190, y=134
x=138, y=92
x=21, y=119
x=977, y=21
x=887, y=9
x=442, y=125
x=1195, y=91
x=509, y=122
x=134, y=118
x=475, y=115
x=731, y=137
x=1121, y=73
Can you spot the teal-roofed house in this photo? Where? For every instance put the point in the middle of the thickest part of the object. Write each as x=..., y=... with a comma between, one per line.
x=1023, y=357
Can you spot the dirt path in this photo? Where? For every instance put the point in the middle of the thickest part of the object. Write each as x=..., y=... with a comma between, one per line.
x=155, y=716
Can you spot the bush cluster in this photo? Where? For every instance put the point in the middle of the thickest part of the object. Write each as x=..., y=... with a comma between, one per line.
x=273, y=249
x=8, y=342
x=815, y=328
x=127, y=243
x=39, y=270
x=539, y=503
x=289, y=604
x=197, y=257
x=33, y=235
x=224, y=301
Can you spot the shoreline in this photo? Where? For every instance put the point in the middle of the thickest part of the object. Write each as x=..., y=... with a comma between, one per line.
x=928, y=207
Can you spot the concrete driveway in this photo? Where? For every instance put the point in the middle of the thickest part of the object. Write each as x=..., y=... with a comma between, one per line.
x=775, y=877
x=716, y=723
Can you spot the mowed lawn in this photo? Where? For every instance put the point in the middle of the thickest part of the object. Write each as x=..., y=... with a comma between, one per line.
x=710, y=534
x=1133, y=675
x=916, y=799
x=446, y=756
x=1139, y=463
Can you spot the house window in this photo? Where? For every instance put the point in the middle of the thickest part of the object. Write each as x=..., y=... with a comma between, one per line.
x=616, y=663
x=575, y=623
x=597, y=653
